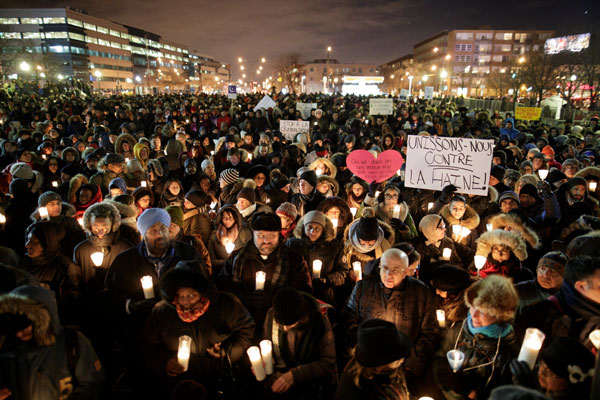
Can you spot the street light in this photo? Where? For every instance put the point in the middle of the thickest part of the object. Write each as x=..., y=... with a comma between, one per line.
x=443, y=74
x=521, y=60
x=138, y=79
x=242, y=67
x=433, y=67
x=262, y=60
x=329, y=49
x=448, y=56
x=424, y=78
x=435, y=49
x=573, y=78
x=24, y=66
x=392, y=76
x=239, y=59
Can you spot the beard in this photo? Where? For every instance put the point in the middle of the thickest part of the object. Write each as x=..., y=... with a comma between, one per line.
x=158, y=246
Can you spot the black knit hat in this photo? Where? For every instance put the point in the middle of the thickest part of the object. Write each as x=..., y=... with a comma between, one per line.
x=310, y=177
x=189, y=274
x=113, y=158
x=197, y=197
x=529, y=189
x=70, y=169
x=497, y=172
x=380, y=343
x=278, y=180
x=575, y=181
x=555, y=176
x=289, y=306
x=368, y=227
x=451, y=279
x=565, y=353
x=264, y=221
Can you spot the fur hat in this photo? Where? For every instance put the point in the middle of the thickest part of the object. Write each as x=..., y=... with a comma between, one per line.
x=499, y=237
x=516, y=225
x=186, y=274
x=263, y=221
x=495, y=295
x=47, y=197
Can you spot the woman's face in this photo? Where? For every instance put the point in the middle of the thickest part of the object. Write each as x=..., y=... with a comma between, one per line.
x=53, y=166
x=260, y=179
x=125, y=146
x=481, y=319
x=313, y=231
x=33, y=246
x=500, y=253
x=25, y=157
x=209, y=170
x=144, y=202
x=439, y=232
x=334, y=212
x=390, y=198
x=85, y=196
x=144, y=153
x=323, y=188
x=69, y=157
x=188, y=298
x=457, y=209
x=174, y=188
x=227, y=219
x=357, y=189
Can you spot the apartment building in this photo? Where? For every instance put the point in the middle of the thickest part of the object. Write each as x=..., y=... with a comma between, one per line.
x=328, y=76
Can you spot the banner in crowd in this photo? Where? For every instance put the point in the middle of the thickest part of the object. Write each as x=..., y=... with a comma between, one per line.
x=305, y=108
x=232, y=92
x=265, y=103
x=428, y=92
x=364, y=165
x=381, y=106
x=433, y=162
x=528, y=113
x=289, y=128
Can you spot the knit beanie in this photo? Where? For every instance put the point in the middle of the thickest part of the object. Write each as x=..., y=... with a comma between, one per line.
x=118, y=183
x=497, y=172
x=47, y=197
x=248, y=194
x=205, y=164
x=176, y=214
x=310, y=177
x=113, y=158
x=554, y=260
x=316, y=217
x=555, y=176
x=289, y=306
x=569, y=359
x=264, y=221
x=368, y=226
x=548, y=150
x=197, y=197
x=380, y=343
x=22, y=170
x=230, y=176
x=151, y=216
x=575, y=181
x=529, y=189
x=429, y=224
x=287, y=209
x=450, y=278
x=509, y=194
x=279, y=180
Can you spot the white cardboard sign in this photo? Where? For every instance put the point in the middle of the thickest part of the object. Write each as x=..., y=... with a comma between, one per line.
x=265, y=103
x=381, y=106
x=289, y=128
x=305, y=108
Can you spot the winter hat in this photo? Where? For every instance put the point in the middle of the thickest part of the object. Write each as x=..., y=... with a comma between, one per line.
x=316, y=217
x=134, y=166
x=548, y=150
x=248, y=194
x=287, y=209
x=113, y=158
x=47, y=197
x=197, y=197
x=367, y=226
x=495, y=295
x=206, y=163
x=70, y=169
x=278, y=180
x=555, y=176
x=23, y=170
x=529, y=189
x=569, y=359
x=380, y=343
x=509, y=194
x=429, y=224
x=554, y=260
x=497, y=172
x=575, y=181
x=230, y=176
x=151, y=216
x=176, y=214
x=570, y=161
x=264, y=221
x=512, y=174
x=310, y=177
x=450, y=278
x=289, y=306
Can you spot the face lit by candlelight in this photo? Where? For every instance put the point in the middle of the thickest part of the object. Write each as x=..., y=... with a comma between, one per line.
x=393, y=268
x=313, y=231
x=188, y=297
x=481, y=319
x=266, y=241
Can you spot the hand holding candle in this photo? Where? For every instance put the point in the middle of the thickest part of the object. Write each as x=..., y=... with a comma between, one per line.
x=531, y=346
x=479, y=262
x=43, y=213
x=183, y=352
x=441, y=318
x=316, y=273
x=396, y=213
x=357, y=269
x=257, y=364
x=148, y=287
x=229, y=247
x=334, y=222
x=353, y=211
x=260, y=280
x=455, y=359
x=592, y=186
x=97, y=258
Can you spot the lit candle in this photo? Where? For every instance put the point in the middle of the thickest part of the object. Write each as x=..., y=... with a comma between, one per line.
x=592, y=186
x=80, y=221
x=399, y=172
x=489, y=227
x=183, y=352
x=595, y=338
x=377, y=193
x=429, y=206
x=531, y=346
x=144, y=183
x=43, y=212
x=2, y=218
x=249, y=156
x=260, y=280
x=479, y=262
x=441, y=318
x=357, y=268
x=256, y=361
x=396, y=213
x=455, y=359
x=456, y=232
x=317, y=264
x=334, y=222
x=54, y=184
x=229, y=247
x=97, y=258
x=543, y=173
x=266, y=351
x=425, y=398
x=353, y=211
x=213, y=205
x=212, y=152
x=148, y=286
x=126, y=159
x=44, y=156
x=319, y=171
x=446, y=253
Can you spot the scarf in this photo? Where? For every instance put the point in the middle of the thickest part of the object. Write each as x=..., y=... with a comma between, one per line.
x=355, y=242
x=247, y=211
x=507, y=268
x=159, y=262
x=192, y=314
x=105, y=242
x=578, y=305
x=494, y=331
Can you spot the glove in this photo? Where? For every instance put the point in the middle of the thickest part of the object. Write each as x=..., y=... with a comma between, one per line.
x=373, y=186
x=447, y=193
x=142, y=306
x=398, y=225
x=545, y=189
x=522, y=374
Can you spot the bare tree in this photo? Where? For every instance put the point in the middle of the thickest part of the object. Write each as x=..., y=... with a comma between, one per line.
x=539, y=72
x=499, y=81
x=590, y=70
x=287, y=68
x=568, y=74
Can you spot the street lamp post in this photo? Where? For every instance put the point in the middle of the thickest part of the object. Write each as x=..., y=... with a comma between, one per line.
x=327, y=75
x=410, y=79
x=98, y=76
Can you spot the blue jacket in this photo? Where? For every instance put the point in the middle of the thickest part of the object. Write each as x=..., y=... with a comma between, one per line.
x=512, y=132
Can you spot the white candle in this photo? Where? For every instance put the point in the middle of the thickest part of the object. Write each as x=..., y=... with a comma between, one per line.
x=425, y=398
x=334, y=222
x=260, y=280
x=357, y=268
x=396, y=213
x=212, y=152
x=229, y=247
x=455, y=359
x=377, y=193
x=144, y=183
x=147, y=286
x=353, y=211
x=54, y=184
x=429, y=206
x=44, y=156
x=456, y=232
x=489, y=227
x=183, y=352
x=317, y=264
x=592, y=186
x=531, y=346
x=319, y=171
x=543, y=173
x=266, y=351
x=97, y=258
x=446, y=253
x=256, y=361
x=213, y=205
x=479, y=262
x=80, y=221
x=2, y=218
x=43, y=212
x=249, y=156
x=441, y=318
x=399, y=172
x=595, y=338
x=126, y=159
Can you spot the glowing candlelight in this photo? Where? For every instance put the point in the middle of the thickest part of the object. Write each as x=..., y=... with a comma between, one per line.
x=144, y=184
x=260, y=280
x=266, y=351
x=334, y=222
x=377, y=193
x=213, y=205
x=80, y=221
x=126, y=159
x=353, y=210
x=97, y=258
x=256, y=361
x=249, y=156
x=229, y=247
x=319, y=171
x=441, y=318
x=489, y=227
x=479, y=262
x=446, y=253
x=543, y=173
x=183, y=352
x=396, y=213
x=531, y=346
x=592, y=186
x=357, y=268
x=317, y=264
x=54, y=184
x=147, y=286
x=2, y=218
x=595, y=338
x=43, y=212
x=455, y=359
x=429, y=206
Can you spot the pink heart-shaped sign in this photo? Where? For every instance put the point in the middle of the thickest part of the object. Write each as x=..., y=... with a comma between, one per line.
x=365, y=166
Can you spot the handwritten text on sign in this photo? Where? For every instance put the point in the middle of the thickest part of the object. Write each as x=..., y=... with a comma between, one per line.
x=528, y=113
x=289, y=128
x=362, y=164
x=381, y=106
x=433, y=162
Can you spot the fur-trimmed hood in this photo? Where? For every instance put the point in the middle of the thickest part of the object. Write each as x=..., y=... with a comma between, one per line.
x=495, y=295
x=492, y=194
x=67, y=210
x=233, y=209
x=125, y=210
x=124, y=137
x=339, y=203
x=470, y=220
x=186, y=275
x=74, y=184
x=515, y=224
x=328, y=234
x=335, y=186
x=589, y=172
x=72, y=150
x=39, y=306
x=499, y=237
x=115, y=216
x=324, y=161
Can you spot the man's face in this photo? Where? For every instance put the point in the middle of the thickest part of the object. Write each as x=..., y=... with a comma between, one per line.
x=392, y=271
x=266, y=241
x=577, y=192
x=156, y=143
x=549, y=278
x=157, y=238
x=570, y=170
x=173, y=231
x=537, y=163
x=590, y=288
x=92, y=164
x=33, y=246
x=242, y=204
x=188, y=298
x=508, y=205
x=114, y=192
x=100, y=226
x=54, y=208
x=235, y=159
x=313, y=231
x=526, y=200
x=305, y=187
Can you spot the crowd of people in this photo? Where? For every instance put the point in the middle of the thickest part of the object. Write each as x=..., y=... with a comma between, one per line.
x=129, y=225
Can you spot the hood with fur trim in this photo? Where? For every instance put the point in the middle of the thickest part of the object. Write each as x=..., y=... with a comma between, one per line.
x=499, y=237
x=495, y=295
x=327, y=163
x=340, y=204
x=124, y=137
x=328, y=234
x=335, y=186
x=115, y=216
x=470, y=220
x=73, y=151
x=189, y=275
x=589, y=172
x=388, y=231
x=125, y=210
x=233, y=209
x=39, y=306
x=67, y=210
x=516, y=225
x=74, y=184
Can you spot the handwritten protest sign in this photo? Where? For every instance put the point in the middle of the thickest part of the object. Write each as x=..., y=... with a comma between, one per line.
x=528, y=113
x=428, y=92
x=289, y=129
x=403, y=93
x=381, y=106
x=305, y=108
x=265, y=103
x=364, y=165
x=433, y=162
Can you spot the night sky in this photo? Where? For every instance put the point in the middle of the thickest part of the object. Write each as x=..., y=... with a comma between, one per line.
x=373, y=31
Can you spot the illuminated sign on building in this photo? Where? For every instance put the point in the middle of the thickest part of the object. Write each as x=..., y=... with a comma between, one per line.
x=573, y=44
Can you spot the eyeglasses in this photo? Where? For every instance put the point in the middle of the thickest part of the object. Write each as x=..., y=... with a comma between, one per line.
x=391, y=196
x=500, y=252
x=552, y=272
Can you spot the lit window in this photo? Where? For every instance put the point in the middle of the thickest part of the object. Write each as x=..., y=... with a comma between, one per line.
x=54, y=20
x=34, y=21
x=76, y=36
x=32, y=35
x=9, y=21
x=89, y=26
x=115, y=33
x=58, y=49
x=102, y=29
x=74, y=22
x=56, y=35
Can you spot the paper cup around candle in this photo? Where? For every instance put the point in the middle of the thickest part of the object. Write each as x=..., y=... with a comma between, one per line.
x=543, y=173
x=429, y=206
x=396, y=213
x=266, y=351
x=377, y=193
x=441, y=318
x=531, y=346
x=426, y=398
x=54, y=184
x=595, y=338
x=249, y=156
x=229, y=247
x=357, y=269
x=144, y=183
x=256, y=361
x=446, y=253
x=455, y=359
x=353, y=211
x=334, y=222
x=43, y=211
x=316, y=269
x=456, y=231
x=97, y=258
x=183, y=352
x=489, y=227
x=147, y=286
x=260, y=280
x=479, y=262
x=592, y=186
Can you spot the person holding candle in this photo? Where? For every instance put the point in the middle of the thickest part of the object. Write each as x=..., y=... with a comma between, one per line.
x=548, y=280
x=229, y=228
x=486, y=338
x=458, y=213
x=303, y=350
x=450, y=283
x=247, y=204
x=314, y=238
x=356, y=191
x=113, y=167
x=337, y=208
x=196, y=221
x=220, y=327
x=143, y=199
